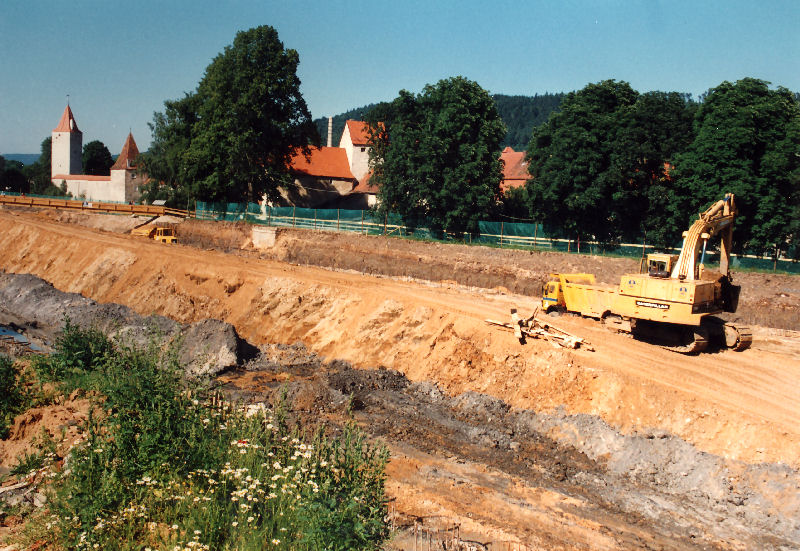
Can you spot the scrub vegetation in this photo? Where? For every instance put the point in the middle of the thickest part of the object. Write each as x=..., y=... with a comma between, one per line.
x=167, y=465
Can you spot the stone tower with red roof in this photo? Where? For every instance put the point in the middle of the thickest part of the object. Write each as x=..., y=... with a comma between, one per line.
x=124, y=174
x=67, y=146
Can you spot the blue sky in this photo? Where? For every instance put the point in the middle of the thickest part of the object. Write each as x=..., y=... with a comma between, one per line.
x=119, y=61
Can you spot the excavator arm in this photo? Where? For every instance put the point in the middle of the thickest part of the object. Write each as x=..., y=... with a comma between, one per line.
x=717, y=220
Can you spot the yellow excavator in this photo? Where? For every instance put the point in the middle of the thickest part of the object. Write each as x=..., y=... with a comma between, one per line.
x=674, y=299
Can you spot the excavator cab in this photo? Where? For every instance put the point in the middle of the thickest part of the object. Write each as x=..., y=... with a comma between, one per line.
x=658, y=265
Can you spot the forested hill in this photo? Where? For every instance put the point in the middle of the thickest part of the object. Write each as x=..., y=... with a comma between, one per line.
x=520, y=114
x=25, y=158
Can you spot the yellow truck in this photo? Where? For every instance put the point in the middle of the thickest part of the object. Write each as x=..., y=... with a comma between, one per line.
x=164, y=234
x=673, y=299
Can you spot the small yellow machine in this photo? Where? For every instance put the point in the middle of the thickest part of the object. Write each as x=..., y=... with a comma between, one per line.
x=164, y=234
x=673, y=299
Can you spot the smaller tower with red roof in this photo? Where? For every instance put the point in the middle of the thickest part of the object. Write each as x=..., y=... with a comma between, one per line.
x=124, y=174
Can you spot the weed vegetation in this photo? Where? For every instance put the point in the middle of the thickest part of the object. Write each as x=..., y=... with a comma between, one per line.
x=169, y=466
x=13, y=397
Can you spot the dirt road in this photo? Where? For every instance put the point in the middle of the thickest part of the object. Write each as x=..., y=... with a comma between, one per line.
x=740, y=406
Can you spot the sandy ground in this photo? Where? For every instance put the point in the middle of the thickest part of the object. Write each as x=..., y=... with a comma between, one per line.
x=737, y=405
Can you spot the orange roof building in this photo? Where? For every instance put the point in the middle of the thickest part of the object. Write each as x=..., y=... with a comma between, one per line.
x=355, y=142
x=358, y=131
x=515, y=169
x=323, y=162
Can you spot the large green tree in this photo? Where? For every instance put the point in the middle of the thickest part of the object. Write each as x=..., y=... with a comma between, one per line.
x=164, y=160
x=574, y=163
x=233, y=138
x=97, y=159
x=599, y=166
x=38, y=173
x=650, y=136
x=438, y=162
x=747, y=141
x=12, y=177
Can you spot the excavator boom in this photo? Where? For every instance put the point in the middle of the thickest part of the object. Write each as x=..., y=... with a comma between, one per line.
x=718, y=219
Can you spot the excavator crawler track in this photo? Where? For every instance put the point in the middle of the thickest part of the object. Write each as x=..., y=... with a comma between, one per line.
x=697, y=342
x=744, y=337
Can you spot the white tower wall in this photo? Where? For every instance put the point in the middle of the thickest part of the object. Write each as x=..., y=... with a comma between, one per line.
x=65, y=153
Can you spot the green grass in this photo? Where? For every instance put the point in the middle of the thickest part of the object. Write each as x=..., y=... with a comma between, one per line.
x=168, y=466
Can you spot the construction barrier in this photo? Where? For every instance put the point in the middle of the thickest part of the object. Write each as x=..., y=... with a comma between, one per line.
x=90, y=206
x=497, y=234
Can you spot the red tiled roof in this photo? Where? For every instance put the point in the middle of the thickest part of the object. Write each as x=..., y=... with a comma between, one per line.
x=359, y=132
x=86, y=177
x=324, y=162
x=67, y=122
x=515, y=169
x=515, y=166
x=364, y=186
x=129, y=153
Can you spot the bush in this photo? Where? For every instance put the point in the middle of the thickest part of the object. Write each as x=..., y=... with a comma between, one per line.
x=165, y=466
x=12, y=396
x=78, y=353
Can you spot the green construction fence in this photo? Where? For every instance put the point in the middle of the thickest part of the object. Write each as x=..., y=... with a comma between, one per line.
x=497, y=234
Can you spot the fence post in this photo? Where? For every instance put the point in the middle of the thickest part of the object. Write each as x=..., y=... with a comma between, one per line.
x=385, y=219
x=269, y=215
x=362, y=226
x=501, y=233
x=315, y=219
x=644, y=245
x=535, y=228
x=293, y=218
x=337, y=219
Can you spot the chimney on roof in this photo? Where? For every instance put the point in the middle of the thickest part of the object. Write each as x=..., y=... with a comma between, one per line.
x=330, y=131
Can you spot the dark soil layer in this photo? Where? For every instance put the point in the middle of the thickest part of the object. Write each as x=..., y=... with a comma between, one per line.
x=685, y=498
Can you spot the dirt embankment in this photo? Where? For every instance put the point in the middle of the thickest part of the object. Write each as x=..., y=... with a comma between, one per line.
x=503, y=475
x=771, y=300
x=737, y=405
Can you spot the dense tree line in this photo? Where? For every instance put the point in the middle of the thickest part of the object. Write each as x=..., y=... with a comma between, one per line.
x=614, y=164
x=606, y=162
